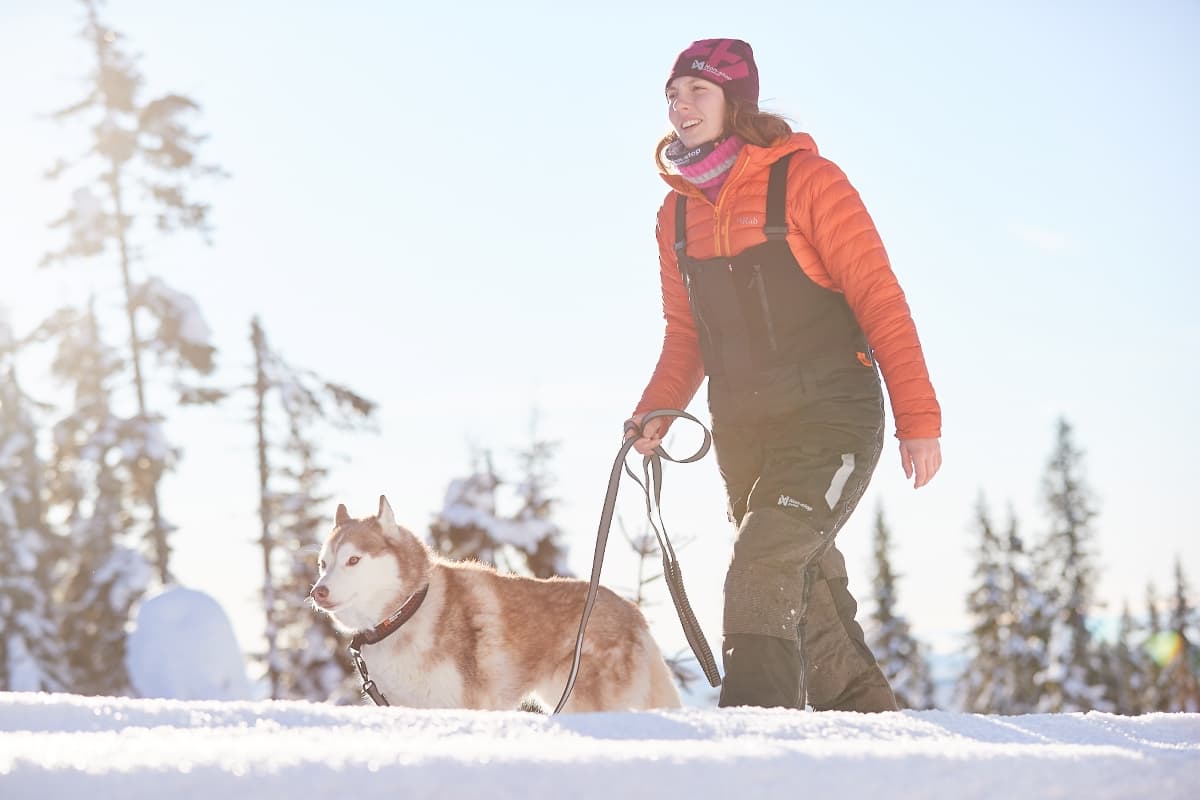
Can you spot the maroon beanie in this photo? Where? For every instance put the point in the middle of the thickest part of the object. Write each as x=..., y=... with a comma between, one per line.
x=726, y=62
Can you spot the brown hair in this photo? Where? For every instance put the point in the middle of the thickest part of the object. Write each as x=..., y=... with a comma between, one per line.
x=761, y=128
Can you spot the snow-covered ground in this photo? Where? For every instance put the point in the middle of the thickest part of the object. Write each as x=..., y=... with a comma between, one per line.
x=65, y=746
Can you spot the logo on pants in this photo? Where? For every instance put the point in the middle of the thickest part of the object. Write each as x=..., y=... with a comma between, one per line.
x=791, y=502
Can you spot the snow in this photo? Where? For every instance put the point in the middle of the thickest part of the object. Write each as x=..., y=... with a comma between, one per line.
x=88, y=211
x=179, y=306
x=183, y=646
x=8, y=338
x=22, y=666
x=66, y=746
x=148, y=439
x=470, y=503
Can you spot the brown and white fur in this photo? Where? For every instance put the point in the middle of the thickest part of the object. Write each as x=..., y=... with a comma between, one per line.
x=482, y=639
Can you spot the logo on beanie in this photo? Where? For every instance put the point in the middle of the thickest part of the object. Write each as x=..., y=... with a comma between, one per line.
x=700, y=66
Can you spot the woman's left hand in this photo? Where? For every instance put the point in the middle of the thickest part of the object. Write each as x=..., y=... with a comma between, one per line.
x=920, y=457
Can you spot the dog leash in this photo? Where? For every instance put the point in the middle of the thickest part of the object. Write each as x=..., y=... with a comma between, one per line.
x=652, y=471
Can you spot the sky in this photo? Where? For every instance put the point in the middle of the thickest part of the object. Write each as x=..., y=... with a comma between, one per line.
x=66, y=746
x=451, y=210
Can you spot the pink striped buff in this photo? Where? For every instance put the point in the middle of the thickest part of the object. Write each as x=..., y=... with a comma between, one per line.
x=708, y=171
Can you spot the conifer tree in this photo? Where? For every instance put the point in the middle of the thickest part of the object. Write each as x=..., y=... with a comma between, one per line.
x=472, y=525
x=1153, y=695
x=1179, y=679
x=900, y=655
x=541, y=545
x=135, y=171
x=1125, y=669
x=93, y=482
x=1070, y=680
x=1026, y=625
x=467, y=526
x=31, y=656
x=305, y=657
x=985, y=685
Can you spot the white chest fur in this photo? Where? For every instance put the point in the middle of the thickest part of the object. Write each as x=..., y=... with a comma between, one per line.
x=411, y=676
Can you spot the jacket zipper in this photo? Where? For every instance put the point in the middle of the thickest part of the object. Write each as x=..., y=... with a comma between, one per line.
x=766, y=308
x=722, y=242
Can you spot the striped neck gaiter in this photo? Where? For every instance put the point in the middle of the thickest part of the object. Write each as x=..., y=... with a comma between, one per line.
x=706, y=167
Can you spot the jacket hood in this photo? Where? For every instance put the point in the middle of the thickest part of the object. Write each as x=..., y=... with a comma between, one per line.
x=751, y=155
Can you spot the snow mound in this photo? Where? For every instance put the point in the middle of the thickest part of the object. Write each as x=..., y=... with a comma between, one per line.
x=183, y=647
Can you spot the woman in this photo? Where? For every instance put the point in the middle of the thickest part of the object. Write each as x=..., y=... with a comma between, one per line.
x=776, y=285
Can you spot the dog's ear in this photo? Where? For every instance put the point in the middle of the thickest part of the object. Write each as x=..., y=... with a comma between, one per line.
x=387, y=520
x=342, y=515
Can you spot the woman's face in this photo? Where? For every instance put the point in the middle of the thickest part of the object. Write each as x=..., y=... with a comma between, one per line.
x=696, y=109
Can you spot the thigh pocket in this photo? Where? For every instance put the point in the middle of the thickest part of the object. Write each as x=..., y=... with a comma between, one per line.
x=766, y=395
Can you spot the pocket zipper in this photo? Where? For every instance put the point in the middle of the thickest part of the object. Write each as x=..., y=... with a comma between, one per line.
x=766, y=308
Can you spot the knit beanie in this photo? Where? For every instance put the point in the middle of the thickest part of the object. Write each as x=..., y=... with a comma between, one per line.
x=729, y=63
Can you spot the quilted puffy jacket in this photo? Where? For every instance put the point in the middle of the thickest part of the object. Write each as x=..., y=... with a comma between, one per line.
x=835, y=242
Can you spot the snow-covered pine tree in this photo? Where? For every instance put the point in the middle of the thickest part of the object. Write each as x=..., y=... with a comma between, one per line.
x=1027, y=627
x=541, y=539
x=31, y=656
x=467, y=525
x=135, y=170
x=900, y=655
x=1181, y=688
x=471, y=524
x=1071, y=679
x=1124, y=668
x=984, y=687
x=305, y=658
x=1153, y=695
x=94, y=483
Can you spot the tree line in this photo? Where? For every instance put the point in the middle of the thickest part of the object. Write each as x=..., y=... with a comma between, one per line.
x=1035, y=644
x=83, y=534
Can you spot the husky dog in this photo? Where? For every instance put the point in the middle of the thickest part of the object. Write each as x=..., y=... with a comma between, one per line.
x=478, y=638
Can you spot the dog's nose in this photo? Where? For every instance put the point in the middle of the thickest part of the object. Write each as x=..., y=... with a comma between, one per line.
x=320, y=593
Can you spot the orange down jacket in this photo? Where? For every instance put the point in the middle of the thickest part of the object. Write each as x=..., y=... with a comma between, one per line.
x=835, y=242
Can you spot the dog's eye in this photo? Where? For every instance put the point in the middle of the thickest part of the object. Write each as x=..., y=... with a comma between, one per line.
x=350, y=562
x=321, y=565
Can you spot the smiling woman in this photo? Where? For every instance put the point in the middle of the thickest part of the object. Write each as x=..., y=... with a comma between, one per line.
x=776, y=286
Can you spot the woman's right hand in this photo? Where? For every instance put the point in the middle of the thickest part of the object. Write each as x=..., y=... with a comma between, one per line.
x=652, y=433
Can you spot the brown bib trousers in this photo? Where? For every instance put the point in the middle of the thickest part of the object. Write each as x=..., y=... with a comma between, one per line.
x=797, y=413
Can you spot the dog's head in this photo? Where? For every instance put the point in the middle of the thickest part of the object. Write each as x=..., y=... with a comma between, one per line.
x=367, y=568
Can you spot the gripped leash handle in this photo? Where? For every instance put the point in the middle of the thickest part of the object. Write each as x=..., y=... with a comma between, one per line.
x=652, y=469
x=652, y=488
